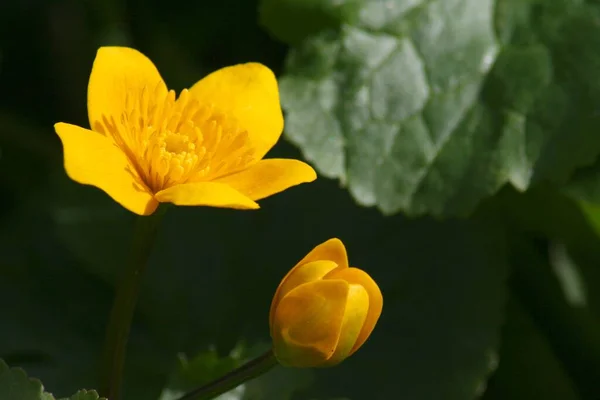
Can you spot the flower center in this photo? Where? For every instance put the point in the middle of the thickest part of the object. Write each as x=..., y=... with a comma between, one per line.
x=179, y=143
x=172, y=141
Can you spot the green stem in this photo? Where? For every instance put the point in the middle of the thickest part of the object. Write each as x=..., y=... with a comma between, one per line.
x=246, y=372
x=123, y=308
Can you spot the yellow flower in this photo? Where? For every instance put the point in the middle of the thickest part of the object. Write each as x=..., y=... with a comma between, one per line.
x=205, y=148
x=323, y=311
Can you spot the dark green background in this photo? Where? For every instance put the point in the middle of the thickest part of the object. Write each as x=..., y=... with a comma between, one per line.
x=473, y=306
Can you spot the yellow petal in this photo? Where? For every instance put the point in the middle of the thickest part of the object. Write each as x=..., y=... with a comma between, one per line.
x=116, y=73
x=210, y=194
x=357, y=307
x=268, y=177
x=308, y=272
x=359, y=277
x=92, y=159
x=332, y=250
x=307, y=323
x=249, y=93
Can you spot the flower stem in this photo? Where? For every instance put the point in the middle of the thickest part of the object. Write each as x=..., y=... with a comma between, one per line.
x=124, y=303
x=246, y=372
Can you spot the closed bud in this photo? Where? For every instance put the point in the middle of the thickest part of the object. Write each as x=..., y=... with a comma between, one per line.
x=323, y=310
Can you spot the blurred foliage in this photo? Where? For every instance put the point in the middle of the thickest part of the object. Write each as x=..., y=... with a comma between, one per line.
x=482, y=112
x=14, y=384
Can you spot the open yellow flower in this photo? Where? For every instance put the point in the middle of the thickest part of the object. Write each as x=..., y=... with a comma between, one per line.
x=323, y=310
x=205, y=148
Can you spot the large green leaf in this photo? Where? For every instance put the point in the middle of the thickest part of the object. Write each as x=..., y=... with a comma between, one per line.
x=430, y=106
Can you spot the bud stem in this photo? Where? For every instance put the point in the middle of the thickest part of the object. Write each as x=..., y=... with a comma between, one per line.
x=121, y=315
x=252, y=369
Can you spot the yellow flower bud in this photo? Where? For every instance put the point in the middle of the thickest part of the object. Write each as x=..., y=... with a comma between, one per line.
x=323, y=310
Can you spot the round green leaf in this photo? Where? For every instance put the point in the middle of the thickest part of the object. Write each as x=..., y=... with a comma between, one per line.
x=428, y=107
